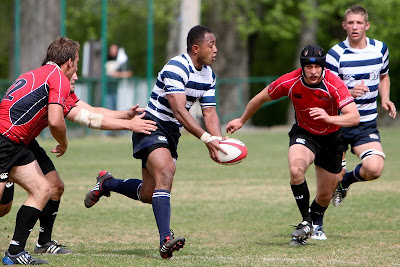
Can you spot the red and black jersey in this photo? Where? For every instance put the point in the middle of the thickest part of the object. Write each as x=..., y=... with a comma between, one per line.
x=24, y=107
x=70, y=103
x=331, y=95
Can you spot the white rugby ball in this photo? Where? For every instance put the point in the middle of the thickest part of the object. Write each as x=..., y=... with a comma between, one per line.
x=237, y=151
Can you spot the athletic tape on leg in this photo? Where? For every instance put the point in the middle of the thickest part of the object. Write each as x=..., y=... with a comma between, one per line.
x=371, y=152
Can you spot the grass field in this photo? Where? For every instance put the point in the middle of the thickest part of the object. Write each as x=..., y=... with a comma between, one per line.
x=230, y=215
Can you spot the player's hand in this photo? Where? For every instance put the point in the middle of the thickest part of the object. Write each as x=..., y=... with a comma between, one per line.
x=359, y=90
x=60, y=150
x=234, y=125
x=320, y=114
x=389, y=106
x=138, y=125
x=213, y=147
x=133, y=111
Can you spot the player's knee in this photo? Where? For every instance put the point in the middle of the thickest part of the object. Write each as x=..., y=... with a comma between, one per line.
x=147, y=200
x=5, y=209
x=297, y=174
x=58, y=189
x=372, y=173
x=323, y=198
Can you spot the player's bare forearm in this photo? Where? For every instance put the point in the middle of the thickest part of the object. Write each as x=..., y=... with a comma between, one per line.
x=118, y=114
x=384, y=88
x=350, y=116
x=211, y=121
x=177, y=103
x=255, y=104
x=57, y=126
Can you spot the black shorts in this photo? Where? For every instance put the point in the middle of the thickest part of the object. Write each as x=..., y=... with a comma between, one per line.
x=365, y=132
x=45, y=163
x=12, y=154
x=328, y=149
x=167, y=135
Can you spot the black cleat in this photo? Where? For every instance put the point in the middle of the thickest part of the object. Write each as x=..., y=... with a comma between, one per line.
x=170, y=245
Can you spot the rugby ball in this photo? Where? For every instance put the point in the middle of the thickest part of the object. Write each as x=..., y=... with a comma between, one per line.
x=237, y=151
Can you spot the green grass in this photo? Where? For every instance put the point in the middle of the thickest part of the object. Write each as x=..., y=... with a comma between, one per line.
x=230, y=215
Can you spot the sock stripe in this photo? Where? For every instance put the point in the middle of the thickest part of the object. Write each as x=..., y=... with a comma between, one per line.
x=161, y=194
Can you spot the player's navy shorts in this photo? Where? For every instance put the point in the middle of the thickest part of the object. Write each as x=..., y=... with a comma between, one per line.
x=365, y=132
x=167, y=135
x=328, y=149
x=12, y=154
x=45, y=163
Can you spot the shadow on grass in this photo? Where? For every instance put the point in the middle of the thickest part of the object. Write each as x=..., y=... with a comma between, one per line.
x=145, y=253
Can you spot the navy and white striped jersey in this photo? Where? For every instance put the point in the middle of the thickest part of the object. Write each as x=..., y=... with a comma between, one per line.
x=353, y=65
x=179, y=76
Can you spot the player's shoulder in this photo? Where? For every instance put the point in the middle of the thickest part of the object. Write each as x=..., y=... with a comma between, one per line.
x=378, y=45
x=337, y=50
x=332, y=80
x=331, y=76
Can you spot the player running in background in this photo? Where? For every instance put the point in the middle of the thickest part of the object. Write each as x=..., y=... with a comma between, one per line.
x=363, y=65
x=317, y=96
x=34, y=101
x=97, y=117
x=183, y=80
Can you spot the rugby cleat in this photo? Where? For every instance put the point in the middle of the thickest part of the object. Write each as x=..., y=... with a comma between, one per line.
x=303, y=230
x=171, y=244
x=22, y=258
x=298, y=241
x=93, y=196
x=339, y=195
x=318, y=233
x=52, y=247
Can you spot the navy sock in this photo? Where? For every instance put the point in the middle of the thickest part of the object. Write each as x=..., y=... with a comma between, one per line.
x=317, y=213
x=352, y=177
x=26, y=219
x=302, y=196
x=162, y=212
x=127, y=187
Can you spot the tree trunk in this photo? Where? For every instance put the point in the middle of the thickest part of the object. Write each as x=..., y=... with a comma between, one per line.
x=231, y=61
x=308, y=36
x=40, y=20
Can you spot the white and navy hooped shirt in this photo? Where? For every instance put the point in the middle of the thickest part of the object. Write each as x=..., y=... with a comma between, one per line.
x=179, y=76
x=354, y=65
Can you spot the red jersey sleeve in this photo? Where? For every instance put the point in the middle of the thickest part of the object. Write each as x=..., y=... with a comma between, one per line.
x=59, y=87
x=70, y=103
x=340, y=93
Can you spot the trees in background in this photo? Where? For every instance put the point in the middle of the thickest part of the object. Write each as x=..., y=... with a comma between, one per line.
x=254, y=38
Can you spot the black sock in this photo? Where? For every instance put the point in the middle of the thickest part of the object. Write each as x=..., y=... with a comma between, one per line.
x=47, y=219
x=26, y=219
x=302, y=196
x=317, y=213
x=8, y=193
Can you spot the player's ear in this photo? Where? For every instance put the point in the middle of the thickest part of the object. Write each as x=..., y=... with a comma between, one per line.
x=195, y=48
x=344, y=25
x=367, y=27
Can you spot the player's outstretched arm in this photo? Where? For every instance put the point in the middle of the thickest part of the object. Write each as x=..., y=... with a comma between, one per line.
x=99, y=121
x=254, y=104
x=118, y=114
